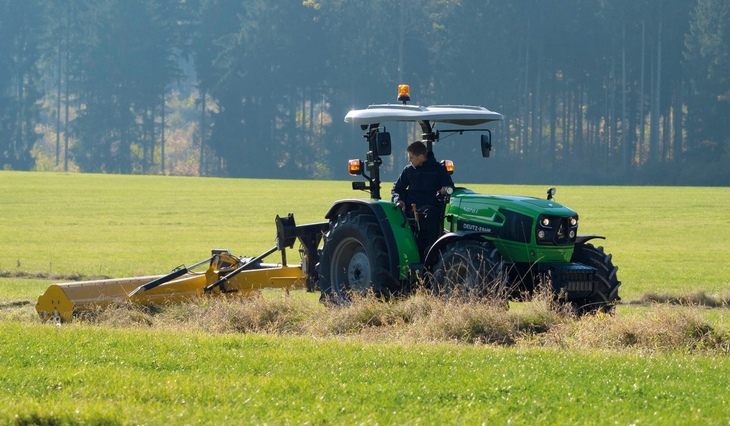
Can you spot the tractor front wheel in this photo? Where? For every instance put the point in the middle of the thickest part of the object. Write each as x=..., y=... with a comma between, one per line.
x=470, y=268
x=605, y=290
x=354, y=258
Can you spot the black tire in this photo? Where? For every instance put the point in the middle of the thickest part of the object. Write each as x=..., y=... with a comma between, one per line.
x=470, y=268
x=605, y=292
x=354, y=258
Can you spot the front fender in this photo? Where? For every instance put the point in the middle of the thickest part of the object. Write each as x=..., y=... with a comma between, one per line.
x=433, y=253
x=582, y=239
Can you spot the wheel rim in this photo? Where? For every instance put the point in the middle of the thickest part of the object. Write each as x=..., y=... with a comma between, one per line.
x=351, y=266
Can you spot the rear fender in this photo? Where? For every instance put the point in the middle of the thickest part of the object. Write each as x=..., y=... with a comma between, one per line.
x=402, y=248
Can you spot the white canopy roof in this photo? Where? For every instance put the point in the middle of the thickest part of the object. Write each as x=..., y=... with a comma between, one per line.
x=464, y=115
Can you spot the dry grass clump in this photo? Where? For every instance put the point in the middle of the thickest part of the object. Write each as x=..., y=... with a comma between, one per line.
x=698, y=298
x=365, y=312
x=420, y=317
x=461, y=320
x=474, y=320
x=281, y=315
x=664, y=328
x=255, y=314
x=423, y=317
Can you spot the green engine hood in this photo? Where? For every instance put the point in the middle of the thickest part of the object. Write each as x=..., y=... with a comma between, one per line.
x=482, y=205
x=510, y=223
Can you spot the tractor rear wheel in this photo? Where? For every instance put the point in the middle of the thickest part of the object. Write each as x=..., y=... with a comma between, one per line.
x=605, y=291
x=354, y=258
x=470, y=268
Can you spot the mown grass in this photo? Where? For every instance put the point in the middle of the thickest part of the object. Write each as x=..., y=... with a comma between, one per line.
x=288, y=359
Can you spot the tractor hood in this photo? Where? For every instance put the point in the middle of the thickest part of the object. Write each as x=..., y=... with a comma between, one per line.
x=472, y=202
x=463, y=115
x=513, y=223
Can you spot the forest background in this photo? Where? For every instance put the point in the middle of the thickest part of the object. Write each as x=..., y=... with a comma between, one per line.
x=593, y=92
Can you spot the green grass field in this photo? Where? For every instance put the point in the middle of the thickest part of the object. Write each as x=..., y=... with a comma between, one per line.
x=663, y=239
x=146, y=370
x=88, y=375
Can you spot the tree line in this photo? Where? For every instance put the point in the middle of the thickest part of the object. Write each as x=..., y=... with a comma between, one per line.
x=623, y=92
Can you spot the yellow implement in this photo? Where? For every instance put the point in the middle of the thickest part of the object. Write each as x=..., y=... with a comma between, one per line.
x=61, y=301
x=225, y=274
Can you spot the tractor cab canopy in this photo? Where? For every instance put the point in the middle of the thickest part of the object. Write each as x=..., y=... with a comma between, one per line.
x=379, y=143
x=463, y=115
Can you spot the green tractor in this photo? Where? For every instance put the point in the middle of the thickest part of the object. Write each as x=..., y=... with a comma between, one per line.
x=491, y=245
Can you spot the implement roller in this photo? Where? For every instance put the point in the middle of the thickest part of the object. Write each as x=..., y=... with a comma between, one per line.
x=226, y=274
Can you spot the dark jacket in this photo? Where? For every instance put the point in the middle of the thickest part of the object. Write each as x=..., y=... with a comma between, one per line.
x=418, y=185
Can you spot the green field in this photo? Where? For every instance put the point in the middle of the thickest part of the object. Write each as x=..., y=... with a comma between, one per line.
x=663, y=239
x=143, y=370
x=90, y=375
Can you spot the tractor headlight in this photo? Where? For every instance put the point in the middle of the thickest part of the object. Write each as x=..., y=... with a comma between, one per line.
x=556, y=230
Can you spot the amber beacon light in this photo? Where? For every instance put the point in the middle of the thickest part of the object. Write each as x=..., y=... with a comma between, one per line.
x=404, y=93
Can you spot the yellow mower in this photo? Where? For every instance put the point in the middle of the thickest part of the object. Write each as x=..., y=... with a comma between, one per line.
x=226, y=274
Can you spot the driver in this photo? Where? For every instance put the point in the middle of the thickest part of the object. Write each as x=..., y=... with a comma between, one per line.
x=420, y=183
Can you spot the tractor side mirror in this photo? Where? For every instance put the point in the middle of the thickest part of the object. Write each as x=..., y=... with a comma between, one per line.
x=382, y=140
x=486, y=144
